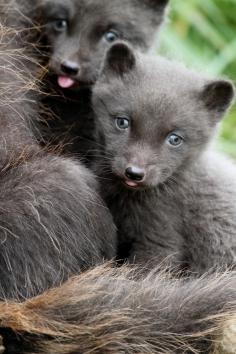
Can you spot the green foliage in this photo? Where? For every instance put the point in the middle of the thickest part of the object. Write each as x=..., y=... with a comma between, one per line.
x=202, y=33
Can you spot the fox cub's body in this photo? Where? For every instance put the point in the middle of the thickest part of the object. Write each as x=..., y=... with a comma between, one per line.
x=170, y=195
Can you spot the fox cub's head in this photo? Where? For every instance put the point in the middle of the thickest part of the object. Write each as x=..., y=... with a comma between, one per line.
x=79, y=32
x=153, y=116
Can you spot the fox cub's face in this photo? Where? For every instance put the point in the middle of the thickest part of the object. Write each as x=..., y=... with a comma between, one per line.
x=80, y=31
x=154, y=116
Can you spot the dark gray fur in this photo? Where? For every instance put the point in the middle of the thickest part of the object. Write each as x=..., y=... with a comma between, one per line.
x=185, y=209
x=53, y=223
x=136, y=21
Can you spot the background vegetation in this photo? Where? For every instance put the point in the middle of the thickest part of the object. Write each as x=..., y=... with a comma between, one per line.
x=202, y=33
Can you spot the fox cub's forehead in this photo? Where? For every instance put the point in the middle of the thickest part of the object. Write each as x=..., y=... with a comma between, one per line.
x=144, y=90
x=104, y=7
x=122, y=10
x=163, y=75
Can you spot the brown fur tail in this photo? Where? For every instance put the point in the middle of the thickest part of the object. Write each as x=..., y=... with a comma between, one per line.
x=107, y=310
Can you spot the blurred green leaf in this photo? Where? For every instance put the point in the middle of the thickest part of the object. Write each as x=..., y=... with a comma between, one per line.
x=203, y=35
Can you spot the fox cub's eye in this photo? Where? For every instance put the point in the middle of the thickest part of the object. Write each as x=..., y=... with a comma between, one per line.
x=111, y=36
x=60, y=25
x=174, y=139
x=122, y=123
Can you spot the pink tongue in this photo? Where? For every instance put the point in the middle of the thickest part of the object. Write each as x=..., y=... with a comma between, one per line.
x=65, y=82
x=131, y=184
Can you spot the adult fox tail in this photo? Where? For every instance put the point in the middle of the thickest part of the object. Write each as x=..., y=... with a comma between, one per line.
x=107, y=310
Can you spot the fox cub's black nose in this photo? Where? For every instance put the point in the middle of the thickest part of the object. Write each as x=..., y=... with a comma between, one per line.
x=70, y=68
x=135, y=173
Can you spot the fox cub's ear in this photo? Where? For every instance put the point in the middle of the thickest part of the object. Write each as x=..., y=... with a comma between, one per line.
x=156, y=4
x=120, y=59
x=218, y=95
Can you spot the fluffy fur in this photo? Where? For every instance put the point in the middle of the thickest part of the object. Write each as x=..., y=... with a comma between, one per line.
x=74, y=35
x=53, y=223
x=107, y=310
x=174, y=202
